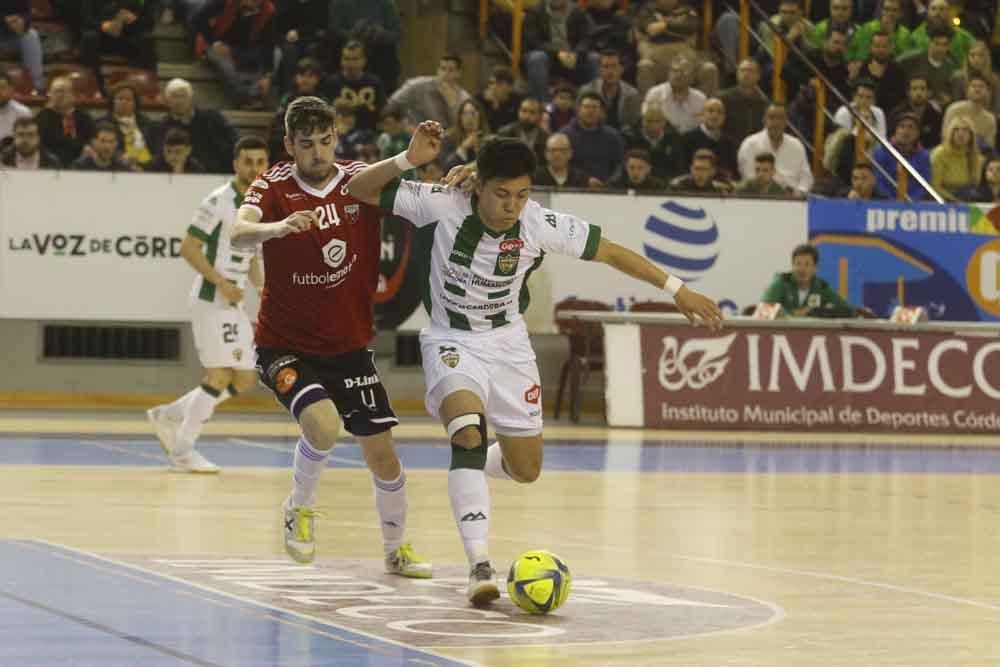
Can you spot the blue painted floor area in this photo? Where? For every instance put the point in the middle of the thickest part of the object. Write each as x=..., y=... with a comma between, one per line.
x=559, y=455
x=58, y=607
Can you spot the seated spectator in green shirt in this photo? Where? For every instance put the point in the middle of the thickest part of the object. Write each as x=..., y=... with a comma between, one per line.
x=763, y=182
x=840, y=15
x=860, y=47
x=801, y=293
x=939, y=16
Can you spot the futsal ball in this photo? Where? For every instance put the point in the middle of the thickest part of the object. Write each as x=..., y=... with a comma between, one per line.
x=538, y=582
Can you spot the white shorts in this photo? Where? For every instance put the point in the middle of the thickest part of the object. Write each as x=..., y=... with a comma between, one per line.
x=223, y=336
x=499, y=366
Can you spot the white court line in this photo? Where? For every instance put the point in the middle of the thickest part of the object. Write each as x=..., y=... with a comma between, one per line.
x=251, y=602
x=124, y=450
x=751, y=566
x=286, y=450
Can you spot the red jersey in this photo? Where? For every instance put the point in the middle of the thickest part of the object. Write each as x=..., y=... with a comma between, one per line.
x=319, y=284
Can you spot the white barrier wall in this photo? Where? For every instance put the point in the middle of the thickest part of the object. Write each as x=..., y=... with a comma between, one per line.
x=729, y=249
x=96, y=246
x=92, y=246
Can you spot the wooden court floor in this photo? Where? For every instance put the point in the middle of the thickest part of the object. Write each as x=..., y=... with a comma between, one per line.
x=686, y=549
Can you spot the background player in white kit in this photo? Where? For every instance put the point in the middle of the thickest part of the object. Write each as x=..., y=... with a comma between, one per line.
x=223, y=334
x=478, y=361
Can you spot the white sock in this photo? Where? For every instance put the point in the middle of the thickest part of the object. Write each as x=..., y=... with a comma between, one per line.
x=307, y=466
x=494, y=463
x=390, y=500
x=176, y=409
x=198, y=409
x=470, y=504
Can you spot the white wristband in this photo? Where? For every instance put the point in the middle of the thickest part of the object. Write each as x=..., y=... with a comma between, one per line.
x=403, y=163
x=673, y=285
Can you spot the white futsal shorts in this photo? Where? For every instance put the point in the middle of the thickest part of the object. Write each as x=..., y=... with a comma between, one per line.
x=499, y=366
x=223, y=336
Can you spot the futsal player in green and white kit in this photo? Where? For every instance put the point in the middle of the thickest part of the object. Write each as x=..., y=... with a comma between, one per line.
x=479, y=365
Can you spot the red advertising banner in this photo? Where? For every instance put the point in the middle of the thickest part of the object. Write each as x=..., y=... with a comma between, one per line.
x=815, y=379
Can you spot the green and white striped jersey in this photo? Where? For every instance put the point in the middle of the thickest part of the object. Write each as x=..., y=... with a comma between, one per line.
x=213, y=223
x=476, y=279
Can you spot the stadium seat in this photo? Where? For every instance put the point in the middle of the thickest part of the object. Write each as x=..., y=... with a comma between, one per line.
x=20, y=81
x=586, y=351
x=57, y=41
x=145, y=82
x=84, y=82
x=41, y=10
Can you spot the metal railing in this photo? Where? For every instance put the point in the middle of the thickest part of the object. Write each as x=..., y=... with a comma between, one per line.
x=781, y=51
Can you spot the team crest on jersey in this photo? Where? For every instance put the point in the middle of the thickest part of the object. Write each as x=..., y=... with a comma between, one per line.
x=352, y=211
x=237, y=354
x=507, y=262
x=449, y=355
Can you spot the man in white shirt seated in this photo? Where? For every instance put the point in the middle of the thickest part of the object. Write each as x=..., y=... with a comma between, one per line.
x=790, y=159
x=864, y=104
x=681, y=103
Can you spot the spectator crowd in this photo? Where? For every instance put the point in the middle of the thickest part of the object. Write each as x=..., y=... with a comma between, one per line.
x=615, y=95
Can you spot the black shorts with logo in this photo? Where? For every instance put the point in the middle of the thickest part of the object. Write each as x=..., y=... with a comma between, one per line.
x=350, y=380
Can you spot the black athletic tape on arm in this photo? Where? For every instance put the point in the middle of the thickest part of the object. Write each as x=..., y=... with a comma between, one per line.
x=232, y=390
x=210, y=390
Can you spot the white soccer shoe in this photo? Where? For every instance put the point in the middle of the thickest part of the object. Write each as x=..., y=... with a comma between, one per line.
x=189, y=461
x=482, y=584
x=164, y=427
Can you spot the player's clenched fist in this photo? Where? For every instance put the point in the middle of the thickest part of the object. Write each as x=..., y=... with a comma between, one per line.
x=300, y=221
x=695, y=306
x=425, y=143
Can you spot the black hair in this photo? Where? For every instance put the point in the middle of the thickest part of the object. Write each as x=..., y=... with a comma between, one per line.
x=249, y=143
x=505, y=158
x=307, y=115
x=764, y=157
x=639, y=154
x=105, y=125
x=590, y=95
x=177, y=136
x=935, y=31
x=308, y=64
x=504, y=74
x=806, y=249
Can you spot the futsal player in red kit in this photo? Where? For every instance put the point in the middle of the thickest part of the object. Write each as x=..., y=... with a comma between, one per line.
x=321, y=251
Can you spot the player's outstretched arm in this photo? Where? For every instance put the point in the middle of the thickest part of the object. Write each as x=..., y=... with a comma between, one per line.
x=425, y=145
x=693, y=305
x=249, y=230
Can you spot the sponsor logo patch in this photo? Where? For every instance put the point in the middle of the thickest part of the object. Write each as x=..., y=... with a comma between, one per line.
x=510, y=245
x=260, y=184
x=285, y=380
x=334, y=253
x=352, y=211
x=532, y=394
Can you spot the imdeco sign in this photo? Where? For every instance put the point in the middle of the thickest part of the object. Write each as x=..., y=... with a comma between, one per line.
x=814, y=379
